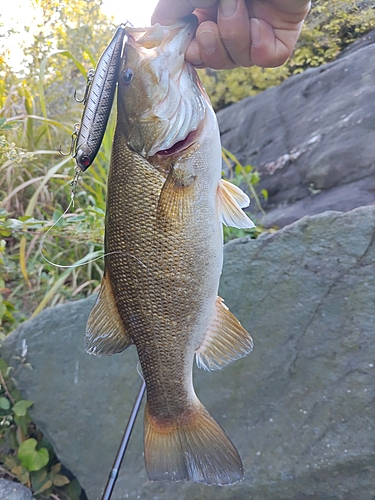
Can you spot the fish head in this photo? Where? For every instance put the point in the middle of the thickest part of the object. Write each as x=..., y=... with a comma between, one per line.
x=160, y=99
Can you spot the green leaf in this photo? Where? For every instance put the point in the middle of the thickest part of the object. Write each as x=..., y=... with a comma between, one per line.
x=3, y=125
x=58, y=219
x=4, y=368
x=73, y=490
x=40, y=481
x=5, y=232
x=12, y=438
x=14, y=224
x=21, y=473
x=20, y=408
x=43, y=443
x=22, y=423
x=60, y=480
x=10, y=461
x=20, y=434
x=4, y=403
x=31, y=458
x=38, y=478
x=55, y=469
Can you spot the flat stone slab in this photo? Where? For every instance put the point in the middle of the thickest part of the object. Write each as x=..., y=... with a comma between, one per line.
x=9, y=490
x=300, y=408
x=312, y=138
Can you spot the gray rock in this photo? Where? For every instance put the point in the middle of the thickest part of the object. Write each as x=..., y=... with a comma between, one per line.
x=300, y=408
x=9, y=490
x=312, y=138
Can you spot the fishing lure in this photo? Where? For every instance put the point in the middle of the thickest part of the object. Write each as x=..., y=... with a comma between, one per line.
x=98, y=98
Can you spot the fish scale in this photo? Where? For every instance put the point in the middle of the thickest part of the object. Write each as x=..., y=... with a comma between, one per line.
x=145, y=271
x=163, y=257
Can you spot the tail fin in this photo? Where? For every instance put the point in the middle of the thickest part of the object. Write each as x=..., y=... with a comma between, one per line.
x=194, y=447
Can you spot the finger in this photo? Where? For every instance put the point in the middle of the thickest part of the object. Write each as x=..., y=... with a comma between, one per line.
x=167, y=12
x=211, y=47
x=234, y=28
x=193, y=54
x=271, y=47
x=203, y=4
x=206, y=14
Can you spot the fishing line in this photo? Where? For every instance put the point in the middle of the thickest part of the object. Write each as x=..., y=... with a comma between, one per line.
x=74, y=184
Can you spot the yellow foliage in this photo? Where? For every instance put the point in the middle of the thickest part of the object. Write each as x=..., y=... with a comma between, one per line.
x=330, y=27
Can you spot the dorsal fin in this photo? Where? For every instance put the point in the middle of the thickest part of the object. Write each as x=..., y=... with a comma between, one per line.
x=105, y=332
x=225, y=341
x=230, y=200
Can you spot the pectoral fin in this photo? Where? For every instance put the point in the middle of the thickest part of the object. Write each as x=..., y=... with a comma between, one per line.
x=230, y=200
x=224, y=342
x=177, y=196
x=105, y=332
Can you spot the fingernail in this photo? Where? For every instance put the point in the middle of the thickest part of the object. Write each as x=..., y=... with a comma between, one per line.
x=207, y=41
x=255, y=32
x=228, y=7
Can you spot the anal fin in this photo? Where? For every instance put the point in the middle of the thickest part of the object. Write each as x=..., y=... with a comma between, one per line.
x=230, y=200
x=225, y=341
x=105, y=332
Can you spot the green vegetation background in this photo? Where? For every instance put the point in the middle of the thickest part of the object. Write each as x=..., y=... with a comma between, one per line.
x=37, y=113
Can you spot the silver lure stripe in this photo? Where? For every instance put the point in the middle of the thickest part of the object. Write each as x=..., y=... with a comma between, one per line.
x=99, y=102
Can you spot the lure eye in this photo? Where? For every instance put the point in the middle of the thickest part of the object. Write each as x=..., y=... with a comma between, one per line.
x=84, y=162
x=127, y=76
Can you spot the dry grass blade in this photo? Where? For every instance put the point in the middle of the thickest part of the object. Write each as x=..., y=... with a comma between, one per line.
x=61, y=280
x=42, y=71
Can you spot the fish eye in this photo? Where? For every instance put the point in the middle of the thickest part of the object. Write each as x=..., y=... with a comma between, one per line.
x=127, y=76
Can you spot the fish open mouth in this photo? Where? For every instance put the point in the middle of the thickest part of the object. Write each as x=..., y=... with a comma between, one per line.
x=167, y=155
x=180, y=145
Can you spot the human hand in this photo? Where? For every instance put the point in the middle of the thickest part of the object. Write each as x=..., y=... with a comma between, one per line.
x=235, y=33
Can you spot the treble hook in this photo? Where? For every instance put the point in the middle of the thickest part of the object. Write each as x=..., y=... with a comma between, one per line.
x=73, y=142
x=90, y=77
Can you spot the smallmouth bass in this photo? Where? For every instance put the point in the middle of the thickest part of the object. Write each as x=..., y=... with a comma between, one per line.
x=166, y=204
